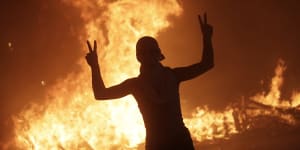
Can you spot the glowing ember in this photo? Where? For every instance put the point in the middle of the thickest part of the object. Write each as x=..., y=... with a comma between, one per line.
x=10, y=46
x=43, y=83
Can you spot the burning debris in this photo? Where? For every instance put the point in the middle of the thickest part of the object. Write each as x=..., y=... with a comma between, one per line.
x=260, y=122
x=71, y=119
x=259, y=126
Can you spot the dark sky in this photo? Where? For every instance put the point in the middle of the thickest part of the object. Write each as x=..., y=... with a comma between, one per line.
x=249, y=37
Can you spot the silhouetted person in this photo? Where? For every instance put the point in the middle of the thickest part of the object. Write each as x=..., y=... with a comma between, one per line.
x=156, y=90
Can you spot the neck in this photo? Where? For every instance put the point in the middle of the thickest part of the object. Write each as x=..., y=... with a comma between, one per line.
x=150, y=67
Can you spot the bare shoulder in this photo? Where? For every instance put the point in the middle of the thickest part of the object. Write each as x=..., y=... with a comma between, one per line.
x=131, y=81
x=173, y=69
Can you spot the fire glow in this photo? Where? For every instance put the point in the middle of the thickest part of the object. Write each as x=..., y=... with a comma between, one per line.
x=72, y=119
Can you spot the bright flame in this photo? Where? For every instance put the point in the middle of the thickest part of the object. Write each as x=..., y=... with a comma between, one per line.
x=273, y=98
x=72, y=119
x=207, y=125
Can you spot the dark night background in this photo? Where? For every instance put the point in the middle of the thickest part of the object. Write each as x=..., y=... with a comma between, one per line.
x=249, y=38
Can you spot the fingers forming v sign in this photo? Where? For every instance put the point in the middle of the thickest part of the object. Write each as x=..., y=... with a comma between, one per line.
x=206, y=29
x=91, y=57
x=92, y=50
x=203, y=23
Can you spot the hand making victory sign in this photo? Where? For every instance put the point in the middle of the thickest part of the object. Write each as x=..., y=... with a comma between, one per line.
x=206, y=29
x=92, y=57
x=156, y=89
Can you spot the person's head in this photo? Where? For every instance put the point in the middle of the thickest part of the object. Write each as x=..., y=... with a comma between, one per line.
x=148, y=51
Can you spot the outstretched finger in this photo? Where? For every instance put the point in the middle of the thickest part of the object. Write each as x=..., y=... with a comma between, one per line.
x=200, y=20
x=95, y=46
x=89, y=46
x=205, y=18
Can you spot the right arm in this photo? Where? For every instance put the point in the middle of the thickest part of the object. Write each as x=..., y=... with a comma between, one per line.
x=99, y=89
x=207, y=61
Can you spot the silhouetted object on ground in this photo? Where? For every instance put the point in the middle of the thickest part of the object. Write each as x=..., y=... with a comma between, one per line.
x=260, y=127
x=156, y=90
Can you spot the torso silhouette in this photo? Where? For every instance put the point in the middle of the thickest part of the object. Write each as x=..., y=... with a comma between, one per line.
x=158, y=100
x=156, y=91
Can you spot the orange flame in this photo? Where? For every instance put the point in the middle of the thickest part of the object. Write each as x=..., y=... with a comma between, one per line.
x=273, y=96
x=72, y=119
x=207, y=125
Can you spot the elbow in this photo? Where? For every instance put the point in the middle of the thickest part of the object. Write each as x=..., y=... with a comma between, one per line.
x=99, y=93
x=211, y=65
x=99, y=96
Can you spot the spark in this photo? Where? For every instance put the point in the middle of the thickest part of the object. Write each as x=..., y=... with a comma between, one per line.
x=10, y=46
x=43, y=83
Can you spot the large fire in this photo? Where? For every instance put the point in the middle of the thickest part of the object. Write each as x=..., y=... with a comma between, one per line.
x=72, y=119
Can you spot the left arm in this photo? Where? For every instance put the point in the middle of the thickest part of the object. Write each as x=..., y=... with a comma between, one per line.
x=100, y=91
x=207, y=61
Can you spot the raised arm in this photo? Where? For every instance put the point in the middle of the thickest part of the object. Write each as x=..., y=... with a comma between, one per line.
x=99, y=89
x=207, y=61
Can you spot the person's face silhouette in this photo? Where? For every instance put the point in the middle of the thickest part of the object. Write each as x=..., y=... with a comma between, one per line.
x=148, y=51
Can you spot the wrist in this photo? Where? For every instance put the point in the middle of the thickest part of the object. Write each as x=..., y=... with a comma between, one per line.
x=94, y=66
x=207, y=39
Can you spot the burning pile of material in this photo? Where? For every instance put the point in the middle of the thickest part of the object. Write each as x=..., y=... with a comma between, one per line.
x=268, y=104
x=257, y=120
x=70, y=118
